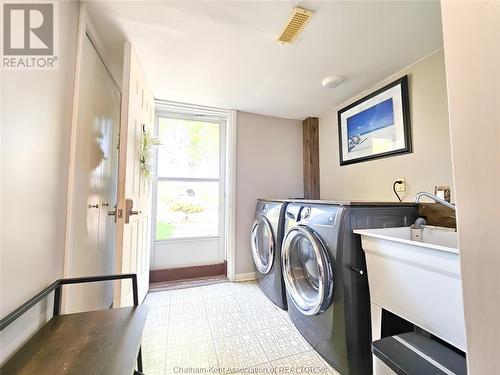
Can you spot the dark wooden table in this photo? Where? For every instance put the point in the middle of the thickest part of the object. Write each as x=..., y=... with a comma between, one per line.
x=104, y=342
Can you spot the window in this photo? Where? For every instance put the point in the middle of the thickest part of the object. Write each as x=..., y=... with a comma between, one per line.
x=189, y=167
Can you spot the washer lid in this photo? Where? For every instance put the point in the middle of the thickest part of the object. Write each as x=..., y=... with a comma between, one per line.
x=307, y=271
x=263, y=244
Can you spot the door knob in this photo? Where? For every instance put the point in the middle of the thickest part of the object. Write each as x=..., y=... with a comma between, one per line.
x=93, y=206
x=129, y=204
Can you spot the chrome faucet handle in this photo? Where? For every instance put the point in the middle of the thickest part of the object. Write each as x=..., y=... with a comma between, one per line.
x=420, y=222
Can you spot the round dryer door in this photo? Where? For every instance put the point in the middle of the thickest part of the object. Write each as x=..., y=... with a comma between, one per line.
x=307, y=272
x=262, y=243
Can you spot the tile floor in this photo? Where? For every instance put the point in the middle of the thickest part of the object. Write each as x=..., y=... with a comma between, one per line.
x=223, y=328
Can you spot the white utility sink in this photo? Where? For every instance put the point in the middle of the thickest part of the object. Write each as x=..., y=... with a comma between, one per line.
x=417, y=279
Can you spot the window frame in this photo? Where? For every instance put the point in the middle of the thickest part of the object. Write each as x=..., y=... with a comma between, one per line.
x=191, y=115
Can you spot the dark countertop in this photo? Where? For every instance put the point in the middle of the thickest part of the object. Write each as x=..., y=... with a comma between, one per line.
x=341, y=203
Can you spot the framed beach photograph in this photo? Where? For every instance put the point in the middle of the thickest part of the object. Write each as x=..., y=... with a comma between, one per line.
x=377, y=125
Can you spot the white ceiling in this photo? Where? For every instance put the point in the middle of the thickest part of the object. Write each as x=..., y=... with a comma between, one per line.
x=225, y=54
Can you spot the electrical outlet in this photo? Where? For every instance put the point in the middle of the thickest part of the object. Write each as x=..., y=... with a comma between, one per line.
x=400, y=188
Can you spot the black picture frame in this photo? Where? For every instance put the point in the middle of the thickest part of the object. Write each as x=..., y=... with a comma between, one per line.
x=405, y=108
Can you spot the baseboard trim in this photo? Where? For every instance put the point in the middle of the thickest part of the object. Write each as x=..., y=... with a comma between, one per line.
x=184, y=273
x=249, y=276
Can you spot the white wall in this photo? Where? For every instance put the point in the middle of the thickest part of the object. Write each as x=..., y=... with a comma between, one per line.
x=36, y=111
x=427, y=166
x=471, y=32
x=268, y=165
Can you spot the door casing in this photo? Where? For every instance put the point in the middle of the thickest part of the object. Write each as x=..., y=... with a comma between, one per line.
x=229, y=189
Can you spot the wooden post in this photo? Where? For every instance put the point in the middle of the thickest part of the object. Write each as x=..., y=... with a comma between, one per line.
x=310, y=141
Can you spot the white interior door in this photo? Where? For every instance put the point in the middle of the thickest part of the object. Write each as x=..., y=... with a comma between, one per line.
x=134, y=187
x=92, y=186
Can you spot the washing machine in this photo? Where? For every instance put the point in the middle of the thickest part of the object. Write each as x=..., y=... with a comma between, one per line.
x=266, y=237
x=324, y=271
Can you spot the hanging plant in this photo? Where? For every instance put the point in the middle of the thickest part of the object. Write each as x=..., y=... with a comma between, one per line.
x=146, y=153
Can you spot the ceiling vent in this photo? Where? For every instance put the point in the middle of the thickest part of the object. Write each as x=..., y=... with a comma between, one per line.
x=295, y=25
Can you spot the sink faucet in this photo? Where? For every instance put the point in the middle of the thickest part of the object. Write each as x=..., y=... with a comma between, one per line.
x=434, y=198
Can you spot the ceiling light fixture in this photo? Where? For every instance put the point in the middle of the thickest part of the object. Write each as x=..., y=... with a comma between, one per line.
x=332, y=81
